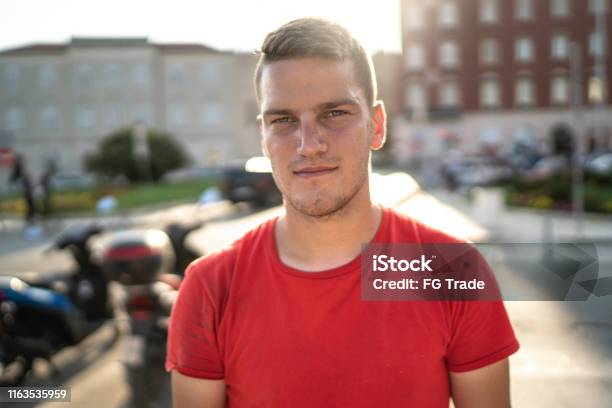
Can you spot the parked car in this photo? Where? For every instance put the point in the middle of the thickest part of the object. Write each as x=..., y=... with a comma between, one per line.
x=193, y=173
x=476, y=171
x=601, y=164
x=251, y=181
x=547, y=166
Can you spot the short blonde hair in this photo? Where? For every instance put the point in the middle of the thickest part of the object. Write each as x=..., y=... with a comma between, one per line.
x=316, y=37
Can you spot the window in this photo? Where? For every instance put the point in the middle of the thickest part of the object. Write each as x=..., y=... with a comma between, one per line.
x=415, y=97
x=560, y=8
x=596, y=90
x=177, y=75
x=49, y=118
x=47, y=77
x=489, y=51
x=449, y=94
x=489, y=11
x=211, y=74
x=14, y=118
x=523, y=9
x=211, y=114
x=559, y=46
x=523, y=50
x=596, y=45
x=524, y=93
x=559, y=90
x=414, y=17
x=598, y=6
x=142, y=114
x=11, y=77
x=85, y=118
x=448, y=54
x=416, y=57
x=177, y=117
x=114, y=117
x=490, y=93
x=141, y=75
x=84, y=75
x=112, y=75
x=448, y=14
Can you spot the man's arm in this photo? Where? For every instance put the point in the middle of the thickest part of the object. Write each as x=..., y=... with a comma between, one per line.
x=189, y=392
x=482, y=388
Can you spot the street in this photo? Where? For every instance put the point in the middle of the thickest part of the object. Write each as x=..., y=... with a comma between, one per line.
x=565, y=358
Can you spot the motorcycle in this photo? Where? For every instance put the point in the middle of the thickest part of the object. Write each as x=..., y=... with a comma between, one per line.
x=148, y=266
x=41, y=315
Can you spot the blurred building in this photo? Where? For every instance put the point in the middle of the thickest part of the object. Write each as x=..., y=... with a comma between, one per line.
x=388, y=67
x=57, y=101
x=484, y=75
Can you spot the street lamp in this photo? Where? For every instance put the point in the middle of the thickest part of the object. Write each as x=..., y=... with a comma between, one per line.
x=577, y=173
x=599, y=81
x=140, y=150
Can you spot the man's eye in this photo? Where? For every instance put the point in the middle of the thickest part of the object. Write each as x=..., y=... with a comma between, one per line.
x=284, y=119
x=335, y=113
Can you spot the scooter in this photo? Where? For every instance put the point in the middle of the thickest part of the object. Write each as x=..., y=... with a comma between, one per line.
x=148, y=265
x=44, y=315
x=40, y=316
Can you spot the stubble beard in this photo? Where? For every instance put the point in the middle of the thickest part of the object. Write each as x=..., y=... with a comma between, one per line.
x=326, y=204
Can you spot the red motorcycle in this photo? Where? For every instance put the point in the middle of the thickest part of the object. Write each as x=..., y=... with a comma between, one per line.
x=147, y=264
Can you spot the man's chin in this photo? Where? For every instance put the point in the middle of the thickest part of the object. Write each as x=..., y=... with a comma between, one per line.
x=319, y=208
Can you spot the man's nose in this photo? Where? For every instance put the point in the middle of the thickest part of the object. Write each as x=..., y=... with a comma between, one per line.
x=310, y=140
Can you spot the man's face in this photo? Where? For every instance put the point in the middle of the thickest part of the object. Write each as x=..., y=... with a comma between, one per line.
x=318, y=130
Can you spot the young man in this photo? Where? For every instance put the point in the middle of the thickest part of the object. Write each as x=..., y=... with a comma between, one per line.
x=276, y=320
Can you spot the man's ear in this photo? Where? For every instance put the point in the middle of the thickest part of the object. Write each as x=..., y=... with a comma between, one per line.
x=379, y=125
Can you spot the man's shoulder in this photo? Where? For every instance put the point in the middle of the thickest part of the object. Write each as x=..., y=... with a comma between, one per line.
x=222, y=262
x=405, y=228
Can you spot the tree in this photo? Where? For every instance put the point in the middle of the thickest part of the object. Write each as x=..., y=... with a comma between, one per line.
x=115, y=156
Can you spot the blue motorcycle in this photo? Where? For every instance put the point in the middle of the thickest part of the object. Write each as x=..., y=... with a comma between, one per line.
x=40, y=316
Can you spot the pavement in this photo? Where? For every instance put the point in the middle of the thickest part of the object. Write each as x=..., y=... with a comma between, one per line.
x=503, y=224
x=565, y=358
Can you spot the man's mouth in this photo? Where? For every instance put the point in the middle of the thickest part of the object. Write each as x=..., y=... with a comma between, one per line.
x=314, y=171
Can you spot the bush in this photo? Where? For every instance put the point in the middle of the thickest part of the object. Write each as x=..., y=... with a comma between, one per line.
x=604, y=179
x=61, y=202
x=555, y=192
x=115, y=156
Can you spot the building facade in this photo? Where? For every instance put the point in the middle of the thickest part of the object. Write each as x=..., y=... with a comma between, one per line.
x=57, y=101
x=484, y=75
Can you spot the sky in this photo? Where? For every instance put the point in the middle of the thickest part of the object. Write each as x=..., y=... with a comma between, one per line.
x=224, y=24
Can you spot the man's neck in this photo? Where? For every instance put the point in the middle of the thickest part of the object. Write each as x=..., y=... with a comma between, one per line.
x=317, y=244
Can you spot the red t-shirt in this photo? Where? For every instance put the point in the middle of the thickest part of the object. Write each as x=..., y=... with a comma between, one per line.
x=281, y=337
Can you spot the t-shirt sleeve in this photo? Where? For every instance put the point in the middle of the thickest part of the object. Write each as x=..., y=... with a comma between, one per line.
x=193, y=348
x=482, y=335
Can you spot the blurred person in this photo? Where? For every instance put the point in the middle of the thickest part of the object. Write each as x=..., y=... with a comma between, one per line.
x=20, y=173
x=46, y=187
x=276, y=319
